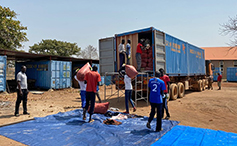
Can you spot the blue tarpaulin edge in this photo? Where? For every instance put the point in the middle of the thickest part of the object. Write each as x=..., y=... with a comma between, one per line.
x=192, y=136
x=69, y=129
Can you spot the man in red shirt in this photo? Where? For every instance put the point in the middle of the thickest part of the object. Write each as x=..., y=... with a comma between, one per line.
x=140, y=47
x=92, y=79
x=166, y=79
x=219, y=80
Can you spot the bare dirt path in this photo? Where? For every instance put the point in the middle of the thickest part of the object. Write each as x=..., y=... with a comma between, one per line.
x=213, y=109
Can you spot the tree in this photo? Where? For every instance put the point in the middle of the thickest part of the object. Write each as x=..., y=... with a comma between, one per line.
x=90, y=52
x=230, y=28
x=11, y=31
x=54, y=47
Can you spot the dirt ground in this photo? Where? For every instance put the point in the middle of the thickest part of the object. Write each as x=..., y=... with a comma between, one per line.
x=213, y=109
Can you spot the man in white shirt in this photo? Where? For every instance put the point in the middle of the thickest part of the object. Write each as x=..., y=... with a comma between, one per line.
x=22, y=91
x=82, y=92
x=122, y=53
x=128, y=93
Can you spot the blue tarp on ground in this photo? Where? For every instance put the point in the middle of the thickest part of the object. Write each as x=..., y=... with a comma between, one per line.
x=69, y=129
x=191, y=136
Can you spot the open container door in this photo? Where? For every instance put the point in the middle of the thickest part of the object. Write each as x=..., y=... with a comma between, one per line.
x=159, y=50
x=106, y=55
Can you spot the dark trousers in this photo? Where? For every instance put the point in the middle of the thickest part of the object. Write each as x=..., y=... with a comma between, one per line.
x=128, y=97
x=121, y=59
x=98, y=96
x=165, y=107
x=156, y=108
x=90, y=101
x=19, y=99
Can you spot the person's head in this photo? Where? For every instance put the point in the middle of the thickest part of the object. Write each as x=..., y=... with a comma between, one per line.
x=94, y=68
x=23, y=68
x=157, y=74
x=161, y=72
x=142, y=41
x=123, y=41
x=129, y=41
x=218, y=74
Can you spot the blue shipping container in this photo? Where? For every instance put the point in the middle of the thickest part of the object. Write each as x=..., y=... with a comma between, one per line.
x=176, y=56
x=196, y=60
x=215, y=73
x=232, y=74
x=48, y=74
x=3, y=70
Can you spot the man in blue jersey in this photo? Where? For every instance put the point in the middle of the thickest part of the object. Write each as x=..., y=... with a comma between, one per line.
x=156, y=87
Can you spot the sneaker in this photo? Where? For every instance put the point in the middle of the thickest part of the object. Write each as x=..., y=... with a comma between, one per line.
x=26, y=113
x=148, y=125
x=159, y=130
x=91, y=121
x=167, y=118
x=134, y=109
x=17, y=115
x=126, y=112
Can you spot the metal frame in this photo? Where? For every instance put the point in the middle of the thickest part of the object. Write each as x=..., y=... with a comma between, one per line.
x=138, y=93
x=117, y=87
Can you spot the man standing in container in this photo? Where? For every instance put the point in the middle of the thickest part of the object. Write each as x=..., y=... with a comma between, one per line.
x=219, y=80
x=82, y=90
x=140, y=47
x=166, y=80
x=92, y=79
x=128, y=49
x=156, y=87
x=22, y=91
x=121, y=53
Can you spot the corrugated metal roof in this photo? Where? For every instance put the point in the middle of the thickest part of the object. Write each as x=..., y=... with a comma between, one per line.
x=24, y=56
x=220, y=53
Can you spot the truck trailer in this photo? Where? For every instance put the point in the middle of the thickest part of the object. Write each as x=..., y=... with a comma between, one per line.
x=183, y=62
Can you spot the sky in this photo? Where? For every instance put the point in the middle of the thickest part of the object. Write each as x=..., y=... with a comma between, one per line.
x=86, y=21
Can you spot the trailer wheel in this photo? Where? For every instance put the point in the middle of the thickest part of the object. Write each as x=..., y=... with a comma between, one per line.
x=203, y=84
x=174, y=92
x=181, y=90
x=199, y=85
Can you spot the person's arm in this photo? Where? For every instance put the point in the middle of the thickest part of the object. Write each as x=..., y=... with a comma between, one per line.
x=19, y=84
x=168, y=86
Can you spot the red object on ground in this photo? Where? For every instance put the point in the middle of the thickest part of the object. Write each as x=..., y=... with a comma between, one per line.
x=82, y=72
x=101, y=108
x=131, y=71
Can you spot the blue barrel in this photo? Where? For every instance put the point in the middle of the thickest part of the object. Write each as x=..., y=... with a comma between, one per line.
x=232, y=74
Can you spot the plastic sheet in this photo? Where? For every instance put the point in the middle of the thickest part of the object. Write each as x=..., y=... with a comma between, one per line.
x=191, y=136
x=69, y=129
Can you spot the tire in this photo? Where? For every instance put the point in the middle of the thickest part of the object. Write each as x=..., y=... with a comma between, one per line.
x=174, y=92
x=204, y=84
x=181, y=90
x=199, y=85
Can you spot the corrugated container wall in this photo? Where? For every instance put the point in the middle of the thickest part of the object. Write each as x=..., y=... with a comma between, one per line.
x=3, y=70
x=48, y=74
x=196, y=60
x=232, y=74
x=176, y=56
x=215, y=73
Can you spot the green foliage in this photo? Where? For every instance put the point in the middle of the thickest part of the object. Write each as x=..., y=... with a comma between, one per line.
x=11, y=31
x=54, y=47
